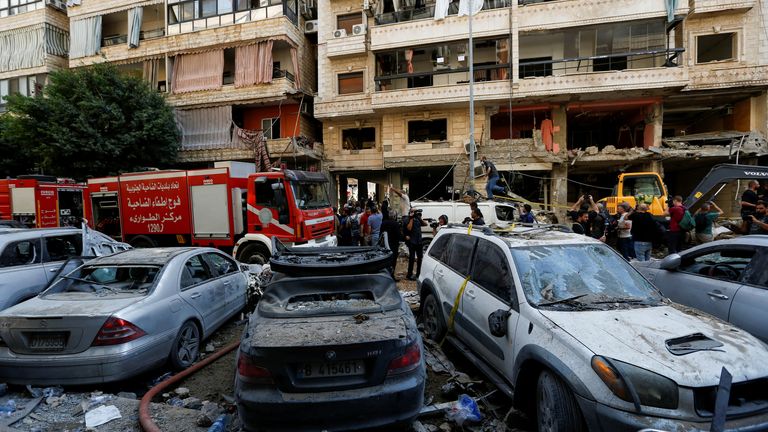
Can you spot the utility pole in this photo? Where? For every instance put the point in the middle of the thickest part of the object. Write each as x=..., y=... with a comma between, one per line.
x=471, y=103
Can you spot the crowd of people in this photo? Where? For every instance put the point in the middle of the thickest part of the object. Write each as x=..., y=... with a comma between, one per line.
x=637, y=231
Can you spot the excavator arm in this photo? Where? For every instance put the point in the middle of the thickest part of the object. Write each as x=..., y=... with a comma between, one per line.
x=720, y=175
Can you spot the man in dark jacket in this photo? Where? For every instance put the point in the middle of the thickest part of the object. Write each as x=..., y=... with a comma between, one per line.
x=391, y=226
x=644, y=230
x=412, y=232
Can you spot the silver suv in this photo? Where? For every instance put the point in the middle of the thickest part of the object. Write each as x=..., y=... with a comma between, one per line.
x=580, y=339
x=31, y=258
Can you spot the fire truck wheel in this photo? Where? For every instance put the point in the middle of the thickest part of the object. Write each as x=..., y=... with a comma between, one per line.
x=142, y=242
x=254, y=253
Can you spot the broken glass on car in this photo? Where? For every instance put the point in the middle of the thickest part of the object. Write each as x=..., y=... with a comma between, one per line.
x=105, y=280
x=581, y=275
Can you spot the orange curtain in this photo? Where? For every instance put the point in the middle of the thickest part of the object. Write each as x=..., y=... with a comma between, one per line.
x=194, y=72
x=253, y=64
x=409, y=60
x=502, y=57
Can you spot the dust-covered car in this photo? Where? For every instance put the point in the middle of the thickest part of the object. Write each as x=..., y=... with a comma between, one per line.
x=31, y=258
x=579, y=339
x=119, y=315
x=335, y=348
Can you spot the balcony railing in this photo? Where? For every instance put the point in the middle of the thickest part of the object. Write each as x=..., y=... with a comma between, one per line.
x=601, y=63
x=282, y=73
x=123, y=38
x=428, y=11
x=494, y=72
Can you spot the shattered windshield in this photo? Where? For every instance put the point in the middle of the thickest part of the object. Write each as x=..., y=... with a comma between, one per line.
x=310, y=195
x=588, y=275
x=106, y=280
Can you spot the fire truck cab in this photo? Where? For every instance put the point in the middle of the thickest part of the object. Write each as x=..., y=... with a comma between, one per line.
x=39, y=201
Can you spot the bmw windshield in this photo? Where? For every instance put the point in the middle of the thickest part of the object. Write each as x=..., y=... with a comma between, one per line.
x=585, y=276
x=310, y=195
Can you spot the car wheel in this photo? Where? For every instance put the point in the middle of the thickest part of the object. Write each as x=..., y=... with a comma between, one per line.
x=434, y=326
x=254, y=254
x=556, y=408
x=186, y=347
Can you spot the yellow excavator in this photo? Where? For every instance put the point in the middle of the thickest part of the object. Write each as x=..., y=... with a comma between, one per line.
x=639, y=187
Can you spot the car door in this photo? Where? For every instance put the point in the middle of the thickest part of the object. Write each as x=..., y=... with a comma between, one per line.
x=198, y=289
x=459, y=263
x=490, y=289
x=231, y=285
x=750, y=304
x=22, y=275
x=57, y=248
x=706, y=279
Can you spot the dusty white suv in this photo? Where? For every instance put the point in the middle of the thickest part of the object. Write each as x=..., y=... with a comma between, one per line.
x=581, y=340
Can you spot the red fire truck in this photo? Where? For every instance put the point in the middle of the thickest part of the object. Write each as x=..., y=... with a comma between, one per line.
x=43, y=201
x=214, y=207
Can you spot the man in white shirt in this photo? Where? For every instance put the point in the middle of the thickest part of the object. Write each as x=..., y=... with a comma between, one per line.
x=624, y=231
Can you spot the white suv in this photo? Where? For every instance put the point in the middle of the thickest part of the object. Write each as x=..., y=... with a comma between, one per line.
x=581, y=340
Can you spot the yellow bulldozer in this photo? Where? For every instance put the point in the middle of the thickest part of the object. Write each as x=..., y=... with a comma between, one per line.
x=639, y=187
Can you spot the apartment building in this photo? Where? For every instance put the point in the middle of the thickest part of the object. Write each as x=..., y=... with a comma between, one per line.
x=234, y=70
x=34, y=40
x=568, y=93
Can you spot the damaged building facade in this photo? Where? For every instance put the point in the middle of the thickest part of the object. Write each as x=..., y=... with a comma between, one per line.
x=568, y=93
x=239, y=74
x=34, y=40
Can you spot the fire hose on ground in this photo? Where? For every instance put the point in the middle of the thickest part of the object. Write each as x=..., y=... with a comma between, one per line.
x=145, y=418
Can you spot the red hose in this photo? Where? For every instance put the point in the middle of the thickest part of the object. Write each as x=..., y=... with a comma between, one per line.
x=145, y=419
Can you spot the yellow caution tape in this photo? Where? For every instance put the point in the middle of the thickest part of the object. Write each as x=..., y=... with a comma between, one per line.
x=469, y=229
x=455, y=308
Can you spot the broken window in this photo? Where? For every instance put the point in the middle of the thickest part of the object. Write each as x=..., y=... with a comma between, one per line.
x=715, y=47
x=491, y=271
x=358, y=139
x=460, y=253
x=228, y=76
x=346, y=22
x=427, y=130
x=351, y=83
x=24, y=252
x=535, y=67
x=271, y=127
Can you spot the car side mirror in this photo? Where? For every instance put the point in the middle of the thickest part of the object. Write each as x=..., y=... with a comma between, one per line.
x=497, y=322
x=671, y=262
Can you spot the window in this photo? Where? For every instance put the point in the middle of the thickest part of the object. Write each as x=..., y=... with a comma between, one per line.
x=460, y=253
x=59, y=248
x=272, y=195
x=188, y=10
x=505, y=213
x=271, y=127
x=208, y=8
x=491, y=271
x=633, y=186
x=195, y=272
x=727, y=264
x=716, y=47
x=18, y=6
x=427, y=130
x=358, y=139
x=347, y=21
x=755, y=273
x=350, y=83
x=536, y=69
x=439, y=248
x=20, y=253
x=221, y=264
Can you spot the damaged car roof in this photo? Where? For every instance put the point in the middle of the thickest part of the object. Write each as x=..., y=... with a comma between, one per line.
x=541, y=235
x=154, y=256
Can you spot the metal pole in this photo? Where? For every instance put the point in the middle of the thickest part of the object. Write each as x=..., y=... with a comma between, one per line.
x=471, y=104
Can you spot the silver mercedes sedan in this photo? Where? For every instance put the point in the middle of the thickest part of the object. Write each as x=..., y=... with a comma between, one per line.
x=116, y=316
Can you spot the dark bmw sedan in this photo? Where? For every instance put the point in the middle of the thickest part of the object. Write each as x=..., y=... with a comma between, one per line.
x=330, y=351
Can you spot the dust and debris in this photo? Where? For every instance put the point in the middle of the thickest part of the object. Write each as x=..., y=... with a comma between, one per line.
x=314, y=331
x=351, y=304
x=360, y=318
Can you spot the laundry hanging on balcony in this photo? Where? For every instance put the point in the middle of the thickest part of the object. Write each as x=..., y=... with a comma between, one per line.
x=409, y=60
x=56, y=41
x=205, y=128
x=465, y=6
x=253, y=64
x=441, y=9
x=671, y=6
x=85, y=37
x=22, y=48
x=296, y=70
x=253, y=139
x=149, y=71
x=134, y=26
x=201, y=71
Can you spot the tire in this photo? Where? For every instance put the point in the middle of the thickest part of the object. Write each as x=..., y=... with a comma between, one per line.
x=254, y=253
x=186, y=346
x=432, y=318
x=556, y=407
x=142, y=242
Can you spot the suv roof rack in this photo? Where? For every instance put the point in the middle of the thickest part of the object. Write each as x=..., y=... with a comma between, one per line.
x=509, y=231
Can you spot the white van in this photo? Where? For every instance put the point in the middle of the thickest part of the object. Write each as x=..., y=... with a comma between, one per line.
x=494, y=213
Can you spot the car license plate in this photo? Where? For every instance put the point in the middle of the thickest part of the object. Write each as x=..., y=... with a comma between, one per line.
x=326, y=370
x=48, y=341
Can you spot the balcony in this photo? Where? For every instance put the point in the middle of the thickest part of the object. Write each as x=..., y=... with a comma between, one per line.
x=603, y=73
x=282, y=83
x=343, y=105
x=706, y=78
x=537, y=16
x=345, y=45
x=276, y=148
x=406, y=27
x=427, y=11
x=181, y=19
x=708, y=6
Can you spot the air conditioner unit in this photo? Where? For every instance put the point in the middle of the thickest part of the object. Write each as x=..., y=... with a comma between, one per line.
x=58, y=4
x=310, y=26
x=358, y=29
x=339, y=33
x=466, y=147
